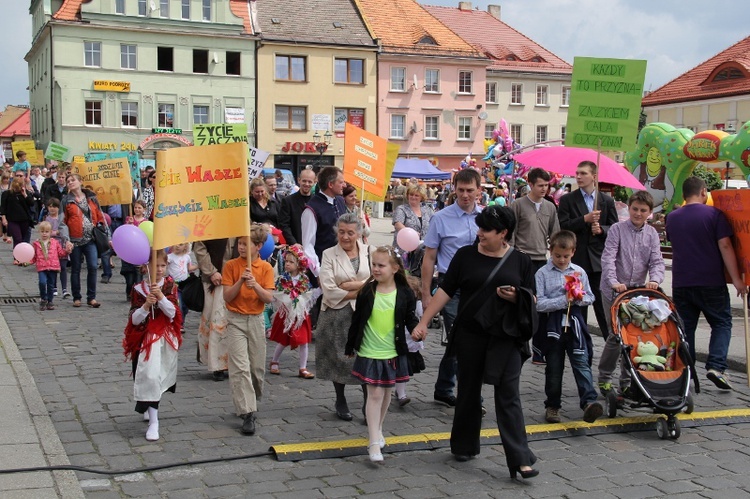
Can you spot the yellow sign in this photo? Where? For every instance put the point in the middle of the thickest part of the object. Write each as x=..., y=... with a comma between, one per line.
x=79, y=159
x=391, y=154
x=39, y=158
x=111, y=86
x=27, y=146
x=108, y=179
x=201, y=193
x=112, y=146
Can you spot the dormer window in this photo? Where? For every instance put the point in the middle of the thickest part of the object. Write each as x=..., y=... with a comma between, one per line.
x=536, y=59
x=427, y=40
x=511, y=57
x=726, y=72
x=729, y=74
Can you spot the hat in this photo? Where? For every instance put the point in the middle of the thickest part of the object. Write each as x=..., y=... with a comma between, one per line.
x=296, y=251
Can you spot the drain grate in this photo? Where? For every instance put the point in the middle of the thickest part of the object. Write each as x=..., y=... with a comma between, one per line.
x=16, y=301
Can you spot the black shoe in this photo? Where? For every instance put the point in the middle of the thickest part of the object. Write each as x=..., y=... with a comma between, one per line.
x=448, y=400
x=462, y=458
x=344, y=415
x=219, y=376
x=248, y=424
x=524, y=473
x=105, y=279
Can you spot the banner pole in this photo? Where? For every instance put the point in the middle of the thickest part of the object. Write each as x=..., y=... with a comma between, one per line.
x=747, y=334
x=596, y=179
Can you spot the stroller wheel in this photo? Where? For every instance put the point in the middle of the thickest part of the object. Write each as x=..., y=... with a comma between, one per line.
x=662, y=430
x=610, y=404
x=690, y=404
x=674, y=429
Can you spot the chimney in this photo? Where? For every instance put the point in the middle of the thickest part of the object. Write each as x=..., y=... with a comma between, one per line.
x=464, y=5
x=494, y=11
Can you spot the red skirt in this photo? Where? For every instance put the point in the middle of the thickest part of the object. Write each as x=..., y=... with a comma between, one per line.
x=294, y=338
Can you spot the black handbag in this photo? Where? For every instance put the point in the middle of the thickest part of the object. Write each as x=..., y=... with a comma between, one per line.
x=192, y=293
x=101, y=238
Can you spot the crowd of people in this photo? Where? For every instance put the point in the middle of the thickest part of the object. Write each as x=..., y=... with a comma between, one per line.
x=497, y=274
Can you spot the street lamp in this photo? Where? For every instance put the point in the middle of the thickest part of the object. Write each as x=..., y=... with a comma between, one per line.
x=321, y=147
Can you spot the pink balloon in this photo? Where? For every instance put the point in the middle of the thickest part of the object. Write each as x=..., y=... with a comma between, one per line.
x=23, y=252
x=407, y=239
x=108, y=218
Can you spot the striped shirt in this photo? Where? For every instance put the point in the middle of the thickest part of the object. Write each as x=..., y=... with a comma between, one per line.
x=550, y=287
x=629, y=255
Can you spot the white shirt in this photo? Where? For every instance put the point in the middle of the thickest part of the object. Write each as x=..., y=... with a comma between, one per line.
x=309, y=235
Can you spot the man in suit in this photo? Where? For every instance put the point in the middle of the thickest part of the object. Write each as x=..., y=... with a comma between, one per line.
x=290, y=214
x=590, y=224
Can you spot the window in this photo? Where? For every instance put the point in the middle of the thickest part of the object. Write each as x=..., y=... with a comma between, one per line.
x=464, y=128
x=563, y=132
x=488, y=129
x=729, y=74
x=290, y=118
x=119, y=6
x=565, y=102
x=185, y=9
x=291, y=68
x=206, y=10
x=165, y=116
x=233, y=62
x=165, y=58
x=542, y=93
x=128, y=58
x=465, y=82
x=432, y=80
x=491, y=93
x=130, y=114
x=200, y=61
x=353, y=116
x=398, y=126
x=92, y=54
x=398, y=79
x=94, y=112
x=142, y=7
x=164, y=8
x=431, y=127
x=515, y=133
x=541, y=133
x=516, y=93
x=200, y=115
x=349, y=71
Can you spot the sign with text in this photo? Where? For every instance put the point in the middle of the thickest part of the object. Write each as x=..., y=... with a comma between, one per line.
x=391, y=154
x=364, y=160
x=109, y=179
x=735, y=204
x=257, y=159
x=27, y=146
x=605, y=103
x=201, y=193
x=133, y=161
x=57, y=152
x=222, y=133
x=321, y=122
x=234, y=115
x=111, y=86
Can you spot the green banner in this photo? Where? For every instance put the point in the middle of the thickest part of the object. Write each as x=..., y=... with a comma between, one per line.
x=605, y=103
x=222, y=133
x=57, y=152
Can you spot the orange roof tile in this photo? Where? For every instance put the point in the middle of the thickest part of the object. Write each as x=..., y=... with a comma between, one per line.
x=20, y=127
x=498, y=41
x=69, y=11
x=698, y=83
x=241, y=9
x=401, y=24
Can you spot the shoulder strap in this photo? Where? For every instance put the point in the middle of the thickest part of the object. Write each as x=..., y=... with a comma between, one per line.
x=486, y=282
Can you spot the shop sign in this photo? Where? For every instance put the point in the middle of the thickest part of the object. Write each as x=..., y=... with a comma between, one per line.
x=112, y=146
x=111, y=86
x=177, y=131
x=145, y=143
x=299, y=147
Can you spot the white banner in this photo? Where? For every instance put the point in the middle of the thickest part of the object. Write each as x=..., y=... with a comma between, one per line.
x=256, y=160
x=234, y=115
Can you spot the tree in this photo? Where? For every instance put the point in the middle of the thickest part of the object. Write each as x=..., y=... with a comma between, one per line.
x=710, y=177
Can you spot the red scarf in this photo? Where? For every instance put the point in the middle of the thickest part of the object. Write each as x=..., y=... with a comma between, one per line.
x=140, y=337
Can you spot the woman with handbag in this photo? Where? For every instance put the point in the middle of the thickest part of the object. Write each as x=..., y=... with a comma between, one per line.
x=80, y=215
x=495, y=320
x=15, y=208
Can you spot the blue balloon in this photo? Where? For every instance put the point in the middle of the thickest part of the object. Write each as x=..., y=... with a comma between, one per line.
x=267, y=249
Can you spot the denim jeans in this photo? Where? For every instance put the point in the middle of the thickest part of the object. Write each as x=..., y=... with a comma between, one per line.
x=713, y=301
x=106, y=267
x=446, y=378
x=47, y=282
x=89, y=252
x=183, y=308
x=553, y=373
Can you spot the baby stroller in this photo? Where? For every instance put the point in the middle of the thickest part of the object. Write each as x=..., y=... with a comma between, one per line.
x=660, y=381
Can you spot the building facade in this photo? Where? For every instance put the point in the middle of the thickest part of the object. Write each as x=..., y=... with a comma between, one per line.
x=14, y=125
x=136, y=75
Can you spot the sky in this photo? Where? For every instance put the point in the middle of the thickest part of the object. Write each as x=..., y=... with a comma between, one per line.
x=672, y=35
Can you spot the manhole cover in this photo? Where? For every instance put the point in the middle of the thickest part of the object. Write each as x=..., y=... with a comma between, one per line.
x=16, y=301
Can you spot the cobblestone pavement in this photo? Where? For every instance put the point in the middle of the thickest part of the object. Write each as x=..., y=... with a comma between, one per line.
x=76, y=360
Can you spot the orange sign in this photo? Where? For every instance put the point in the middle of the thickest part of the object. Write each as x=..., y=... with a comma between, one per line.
x=735, y=204
x=364, y=160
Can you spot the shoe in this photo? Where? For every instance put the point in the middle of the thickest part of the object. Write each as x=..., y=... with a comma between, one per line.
x=218, y=376
x=50, y=306
x=605, y=388
x=248, y=424
x=375, y=455
x=524, y=473
x=43, y=305
x=538, y=360
x=273, y=368
x=344, y=415
x=719, y=379
x=152, y=434
x=54, y=293
x=105, y=280
x=552, y=415
x=592, y=412
x=462, y=458
x=484, y=411
x=145, y=416
x=93, y=304
x=448, y=400
x=66, y=295
x=381, y=441
x=305, y=374
x=76, y=303
x=403, y=401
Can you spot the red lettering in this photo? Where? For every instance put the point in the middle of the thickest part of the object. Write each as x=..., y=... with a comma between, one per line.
x=286, y=147
x=310, y=147
x=194, y=175
x=298, y=147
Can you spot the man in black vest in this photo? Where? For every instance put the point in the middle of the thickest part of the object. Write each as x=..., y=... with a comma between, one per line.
x=321, y=214
x=292, y=206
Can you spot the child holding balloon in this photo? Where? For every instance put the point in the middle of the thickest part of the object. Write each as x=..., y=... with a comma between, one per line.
x=129, y=271
x=47, y=253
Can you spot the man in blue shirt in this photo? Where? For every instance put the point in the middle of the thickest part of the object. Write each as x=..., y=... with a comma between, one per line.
x=450, y=229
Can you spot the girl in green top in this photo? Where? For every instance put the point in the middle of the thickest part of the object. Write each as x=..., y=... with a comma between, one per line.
x=385, y=306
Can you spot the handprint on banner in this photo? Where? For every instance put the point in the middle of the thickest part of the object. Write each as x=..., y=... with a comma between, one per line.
x=201, y=223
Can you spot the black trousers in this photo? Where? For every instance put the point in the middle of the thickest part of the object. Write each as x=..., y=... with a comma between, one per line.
x=471, y=352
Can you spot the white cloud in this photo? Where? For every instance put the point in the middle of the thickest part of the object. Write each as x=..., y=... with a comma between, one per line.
x=15, y=44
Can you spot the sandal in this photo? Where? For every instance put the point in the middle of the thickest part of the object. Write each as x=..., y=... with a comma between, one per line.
x=76, y=303
x=274, y=368
x=304, y=373
x=94, y=304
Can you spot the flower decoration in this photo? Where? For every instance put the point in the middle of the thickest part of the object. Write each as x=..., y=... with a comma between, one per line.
x=574, y=287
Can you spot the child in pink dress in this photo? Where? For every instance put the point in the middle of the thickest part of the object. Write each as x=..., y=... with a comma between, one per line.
x=47, y=255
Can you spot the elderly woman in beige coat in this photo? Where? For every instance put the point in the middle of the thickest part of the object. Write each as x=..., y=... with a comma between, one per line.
x=343, y=270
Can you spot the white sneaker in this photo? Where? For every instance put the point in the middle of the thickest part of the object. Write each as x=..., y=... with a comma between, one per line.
x=54, y=293
x=152, y=434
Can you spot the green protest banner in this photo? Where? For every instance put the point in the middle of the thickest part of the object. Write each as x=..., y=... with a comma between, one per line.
x=605, y=103
x=222, y=133
x=57, y=152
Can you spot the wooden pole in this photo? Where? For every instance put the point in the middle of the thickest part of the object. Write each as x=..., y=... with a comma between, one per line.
x=747, y=334
x=596, y=178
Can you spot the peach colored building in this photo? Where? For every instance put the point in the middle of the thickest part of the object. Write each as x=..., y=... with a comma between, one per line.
x=431, y=84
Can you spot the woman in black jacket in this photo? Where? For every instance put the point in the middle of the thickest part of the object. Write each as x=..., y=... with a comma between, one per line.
x=15, y=207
